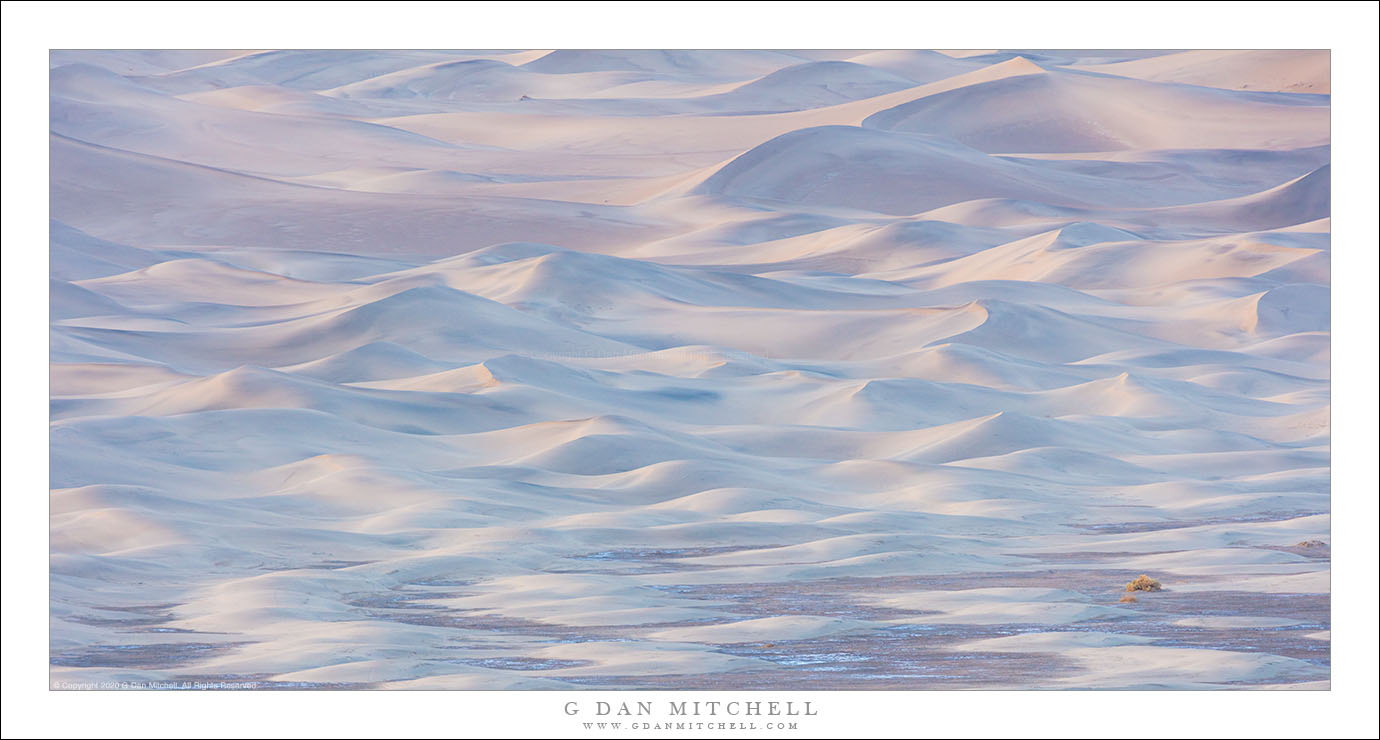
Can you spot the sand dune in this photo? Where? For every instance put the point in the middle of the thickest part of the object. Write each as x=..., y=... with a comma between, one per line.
x=714, y=369
x=1243, y=69
x=1042, y=110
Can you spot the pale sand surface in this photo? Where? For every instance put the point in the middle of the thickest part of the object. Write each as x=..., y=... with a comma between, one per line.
x=697, y=369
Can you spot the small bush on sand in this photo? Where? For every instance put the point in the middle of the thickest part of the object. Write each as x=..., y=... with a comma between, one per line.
x=1144, y=583
x=1129, y=599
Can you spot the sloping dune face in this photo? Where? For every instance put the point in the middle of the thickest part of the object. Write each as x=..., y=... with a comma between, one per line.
x=691, y=369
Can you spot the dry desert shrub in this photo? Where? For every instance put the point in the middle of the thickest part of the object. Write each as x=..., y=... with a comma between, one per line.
x=1129, y=599
x=1144, y=583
